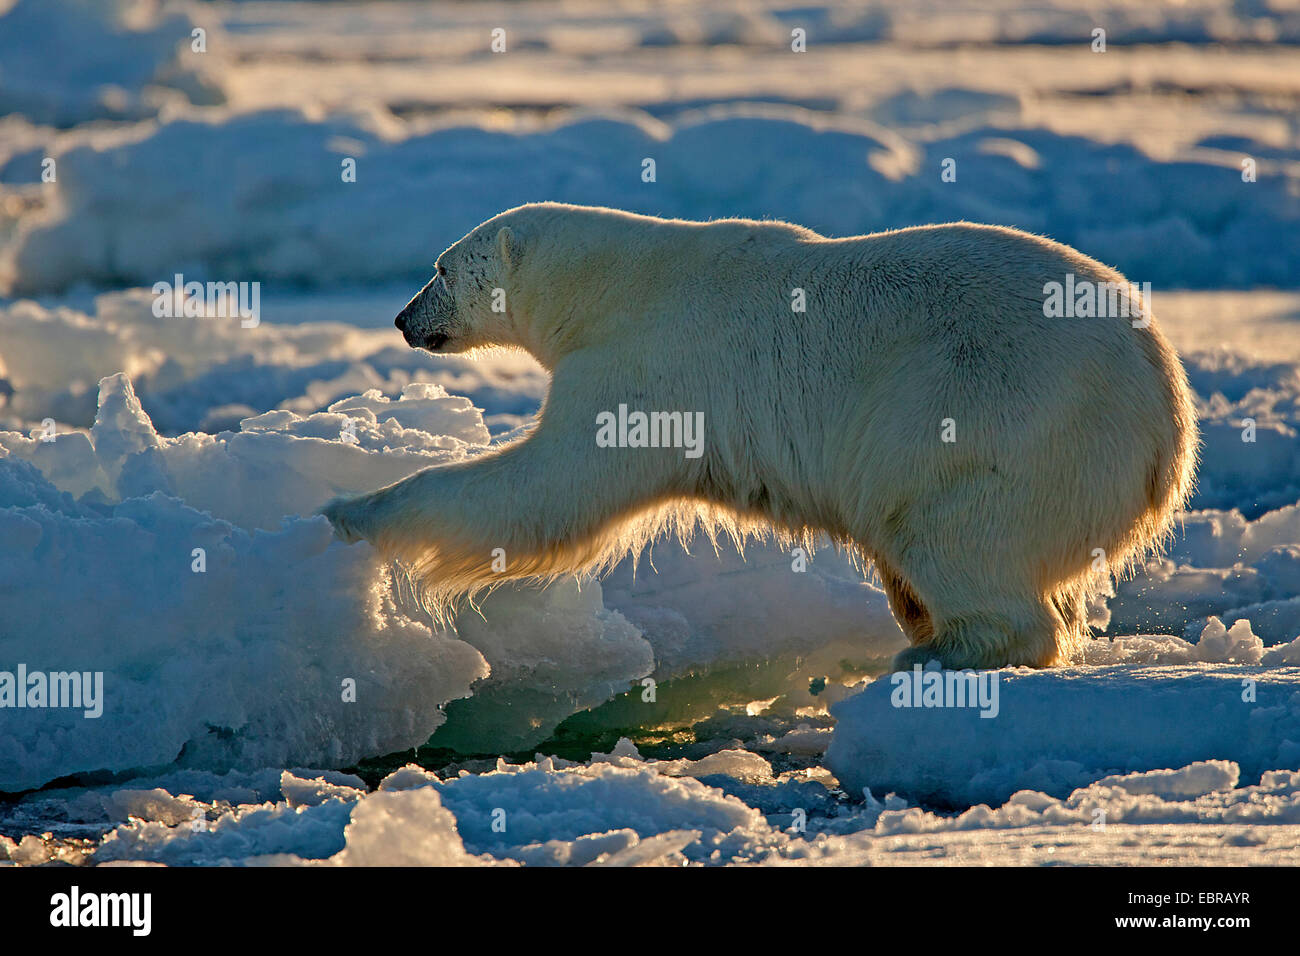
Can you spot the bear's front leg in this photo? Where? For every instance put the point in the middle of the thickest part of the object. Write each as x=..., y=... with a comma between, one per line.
x=407, y=505
x=551, y=504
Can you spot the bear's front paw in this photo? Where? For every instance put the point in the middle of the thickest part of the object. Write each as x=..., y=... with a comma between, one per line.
x=343, y=514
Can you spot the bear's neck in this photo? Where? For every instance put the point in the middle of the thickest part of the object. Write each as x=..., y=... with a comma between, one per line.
x=571, y=314
x=591, y=291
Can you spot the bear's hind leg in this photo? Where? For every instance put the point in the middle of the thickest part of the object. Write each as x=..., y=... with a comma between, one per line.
x=976, y=558
x=1009, y=632
x=911, y=614
x=985, y=607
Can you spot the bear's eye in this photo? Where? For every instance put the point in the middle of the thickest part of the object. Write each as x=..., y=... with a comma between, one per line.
x=442, y=270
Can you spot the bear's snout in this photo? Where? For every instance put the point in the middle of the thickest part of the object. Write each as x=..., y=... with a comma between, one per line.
x=408, y=318
x=408, y=324
x=423, y=321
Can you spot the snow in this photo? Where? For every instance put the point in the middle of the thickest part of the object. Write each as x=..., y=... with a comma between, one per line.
x=410, y=828
x=207, y=375
x=626, y=810
x=840, y=177
x=853, y=146
x=298, y=617
x=303, y=613
x=703, y=708
x=128, y=64
x=1059, y=730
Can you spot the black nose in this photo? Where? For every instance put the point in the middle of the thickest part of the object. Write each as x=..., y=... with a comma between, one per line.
x=400, y=321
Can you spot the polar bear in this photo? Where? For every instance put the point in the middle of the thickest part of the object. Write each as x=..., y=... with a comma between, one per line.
x=905, y=394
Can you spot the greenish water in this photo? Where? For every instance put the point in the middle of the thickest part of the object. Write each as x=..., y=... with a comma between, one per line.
x=688, y=715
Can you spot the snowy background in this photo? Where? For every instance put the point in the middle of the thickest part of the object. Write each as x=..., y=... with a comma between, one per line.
x=761, y=735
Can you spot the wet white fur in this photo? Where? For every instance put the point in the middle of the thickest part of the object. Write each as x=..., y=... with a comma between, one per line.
x=1071, y=434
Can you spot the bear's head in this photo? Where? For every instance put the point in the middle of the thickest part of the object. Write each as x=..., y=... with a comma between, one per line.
x=464, y=305
x=516, y=280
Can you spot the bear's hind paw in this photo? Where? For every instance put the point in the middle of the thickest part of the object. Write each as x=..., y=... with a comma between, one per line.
x=949, y=659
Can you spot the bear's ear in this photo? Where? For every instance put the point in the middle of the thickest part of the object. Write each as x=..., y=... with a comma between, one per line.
x=508, y=246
